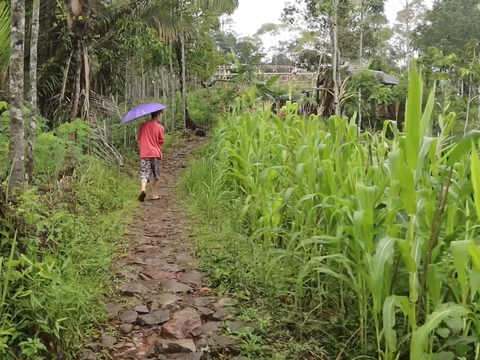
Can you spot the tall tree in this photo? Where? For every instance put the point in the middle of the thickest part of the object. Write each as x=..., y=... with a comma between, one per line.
x=408, y=19
x=273, y=30
x=16, y=145
x=184, y=73
x=33, y=89
x=336, y=52
x=449, y=25
x=189, y=14
x=360, y=65
x=184, y=81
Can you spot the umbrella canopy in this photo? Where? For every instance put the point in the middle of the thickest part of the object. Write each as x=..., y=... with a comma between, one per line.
x=141, y=111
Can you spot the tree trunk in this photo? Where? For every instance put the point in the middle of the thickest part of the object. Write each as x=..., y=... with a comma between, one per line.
x=189, y=123
x=78, y=20
x=336, y=85
x=360, y=65
x=86, y=89
x=33, y=89
x=468, y=106
x=77, y=83
x=173, y=90
x=407, y=38
x=16, y=144
x=184, y=85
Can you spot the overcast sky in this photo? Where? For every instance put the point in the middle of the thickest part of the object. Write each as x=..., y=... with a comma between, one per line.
x=251, y=14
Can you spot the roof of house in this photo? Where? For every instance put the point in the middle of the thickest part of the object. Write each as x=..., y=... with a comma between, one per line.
x=386, y=79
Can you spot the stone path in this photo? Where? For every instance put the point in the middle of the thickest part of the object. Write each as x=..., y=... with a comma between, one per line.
x=162, y=310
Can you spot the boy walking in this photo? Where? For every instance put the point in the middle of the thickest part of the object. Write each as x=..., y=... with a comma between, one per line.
x=151, y=137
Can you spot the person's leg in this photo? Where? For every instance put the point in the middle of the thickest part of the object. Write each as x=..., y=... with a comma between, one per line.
x=156, y=177
x=144, y=175
x=144, y=185
x=155, y=186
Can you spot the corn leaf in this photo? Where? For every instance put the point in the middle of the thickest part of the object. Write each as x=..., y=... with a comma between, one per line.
x=475, y=283
x=459, y=251
x=407, y=186
x=425, y=129
x=383, y=255
x=462, y=147
x=474, y=252
x=475, y=168
x=419, y=343
x=444, y=355
x=389, y=306
x=413, y=118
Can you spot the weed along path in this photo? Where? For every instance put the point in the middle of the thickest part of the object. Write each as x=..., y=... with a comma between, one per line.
x=161, y=310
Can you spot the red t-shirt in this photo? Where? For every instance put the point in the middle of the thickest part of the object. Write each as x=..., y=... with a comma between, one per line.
x=151, y=138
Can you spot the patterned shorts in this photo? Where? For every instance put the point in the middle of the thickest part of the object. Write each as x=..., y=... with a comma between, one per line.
x=149, y=168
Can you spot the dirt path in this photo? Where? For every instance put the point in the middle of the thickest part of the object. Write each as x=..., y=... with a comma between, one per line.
x=161, y=311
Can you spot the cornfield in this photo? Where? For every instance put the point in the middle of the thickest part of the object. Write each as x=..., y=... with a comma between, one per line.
x=382, y=226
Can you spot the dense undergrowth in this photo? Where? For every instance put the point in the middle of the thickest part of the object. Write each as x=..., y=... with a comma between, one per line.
x=57, y=240
x=343, y=246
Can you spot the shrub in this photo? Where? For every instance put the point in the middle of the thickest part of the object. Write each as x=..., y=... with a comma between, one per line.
x=57, y=240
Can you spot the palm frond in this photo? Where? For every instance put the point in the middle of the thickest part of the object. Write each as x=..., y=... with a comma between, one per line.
x=168, y=19
x=220, y=6
x=5, y=22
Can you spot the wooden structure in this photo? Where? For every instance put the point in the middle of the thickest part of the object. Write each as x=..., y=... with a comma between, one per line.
x=317, y=94
x=289, y=75
x=319, y=99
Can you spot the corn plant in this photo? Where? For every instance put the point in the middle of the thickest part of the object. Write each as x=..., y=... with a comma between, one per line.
x=381, y=227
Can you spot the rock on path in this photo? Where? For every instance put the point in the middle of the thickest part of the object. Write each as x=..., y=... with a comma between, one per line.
x=160, y=312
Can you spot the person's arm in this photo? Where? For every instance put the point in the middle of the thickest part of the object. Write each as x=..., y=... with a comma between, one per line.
x=139, y=136
x=161, y=137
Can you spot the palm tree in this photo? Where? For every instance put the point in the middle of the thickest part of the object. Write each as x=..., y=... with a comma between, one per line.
x=16, y=145
x=5, y=17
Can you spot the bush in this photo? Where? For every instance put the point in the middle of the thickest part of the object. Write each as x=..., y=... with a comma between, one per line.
x=57, y=241
x=206, y=105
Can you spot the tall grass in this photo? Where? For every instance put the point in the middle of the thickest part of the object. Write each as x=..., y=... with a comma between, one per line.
x=380, y=228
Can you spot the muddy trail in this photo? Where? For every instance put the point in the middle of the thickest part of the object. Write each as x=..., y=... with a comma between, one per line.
x=162, y=309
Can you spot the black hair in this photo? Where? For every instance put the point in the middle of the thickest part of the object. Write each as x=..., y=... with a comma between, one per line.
x=156, y=113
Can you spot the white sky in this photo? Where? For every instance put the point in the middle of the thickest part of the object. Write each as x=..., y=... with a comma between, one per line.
x=251, y=14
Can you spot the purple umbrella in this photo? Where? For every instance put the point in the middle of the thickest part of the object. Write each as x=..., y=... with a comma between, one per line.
x=141, y=111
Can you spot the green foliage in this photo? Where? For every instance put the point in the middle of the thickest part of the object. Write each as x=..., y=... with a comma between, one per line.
x=374, y=95
x=378, y=232
x=4, y=36
x=464, y=19
x=205, y=106
x=203, y=58
x=142, y=43
x=248, y=50
x=251, y=271
x=317, y=18
x=57, y=241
